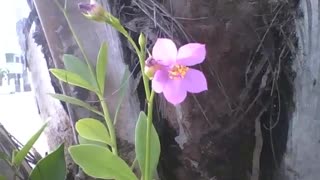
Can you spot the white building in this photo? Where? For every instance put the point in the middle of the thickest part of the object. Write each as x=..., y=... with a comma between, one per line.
x=17, y=72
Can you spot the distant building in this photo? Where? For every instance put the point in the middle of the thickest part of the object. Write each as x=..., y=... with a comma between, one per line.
x=16, y=80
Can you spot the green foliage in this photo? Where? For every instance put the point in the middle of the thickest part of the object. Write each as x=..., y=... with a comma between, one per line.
x=100, y=162
x=77, y=66
x=83, y=140
x=140, y=144
x=93, y=154
x=75, y=101
x=3, y=71
x=52, y=167
x=101, y=66
x=123, y=86
x=20, y=155
x=2, y=177
x=94, y=130
x=73, y=79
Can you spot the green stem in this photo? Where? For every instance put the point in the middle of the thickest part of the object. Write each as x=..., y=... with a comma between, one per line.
x=147, y=175
x=101, y=98
x=109, y=125
x=76, y=38
x=133, y=163
x=141, y=56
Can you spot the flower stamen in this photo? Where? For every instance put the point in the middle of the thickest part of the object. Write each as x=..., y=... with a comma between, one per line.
x=178, y=71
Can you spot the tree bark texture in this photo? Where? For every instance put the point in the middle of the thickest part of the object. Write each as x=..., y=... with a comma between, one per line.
x=59, y=128
x=238, y=128
x=302, y=158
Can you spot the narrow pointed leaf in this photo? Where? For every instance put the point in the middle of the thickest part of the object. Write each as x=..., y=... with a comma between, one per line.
x=122, y=94
x=93, y=129
x=51, y=167
x=100, y=162
x=20, y=155
x=72, y=78
x=75, y=101
x=140, y=144
x=101, y=66
x=77, y=66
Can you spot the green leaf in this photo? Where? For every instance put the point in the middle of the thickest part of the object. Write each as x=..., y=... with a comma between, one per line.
x=72, y=78
x=93, y=129
x=51, y=167
x=100, y=162
x=83, y=140
x=101, y=66
x=20, y=155
x=122, y=94
x=140, y=144
x=2, y=177
x=75, y=101
x=77, y=66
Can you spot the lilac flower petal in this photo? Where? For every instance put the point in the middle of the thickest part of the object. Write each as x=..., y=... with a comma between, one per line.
x=159, y=81
x=191, y=54
x=86, y=7
x=195, y=81
x=165, y=51
x=174, y=92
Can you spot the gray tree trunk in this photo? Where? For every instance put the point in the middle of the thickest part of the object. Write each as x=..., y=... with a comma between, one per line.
x=302, y=159
x=59, y=128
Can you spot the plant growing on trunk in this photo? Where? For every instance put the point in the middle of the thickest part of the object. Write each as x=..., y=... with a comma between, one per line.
x=167, y=67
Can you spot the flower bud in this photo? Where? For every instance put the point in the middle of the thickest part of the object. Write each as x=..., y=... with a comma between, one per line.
x=151, y=67
x=150, y=71
x=142, y=40
x=93, y=11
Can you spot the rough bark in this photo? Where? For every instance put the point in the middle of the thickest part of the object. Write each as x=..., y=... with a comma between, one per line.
x=212, y=134
x=302, y=158
x=59, y=128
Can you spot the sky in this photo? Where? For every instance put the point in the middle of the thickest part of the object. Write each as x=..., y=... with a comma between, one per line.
x=11, y=12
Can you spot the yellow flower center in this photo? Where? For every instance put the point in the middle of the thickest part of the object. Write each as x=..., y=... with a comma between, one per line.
x=178, y=71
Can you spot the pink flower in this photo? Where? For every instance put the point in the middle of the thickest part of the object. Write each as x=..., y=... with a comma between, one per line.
x=174, y=79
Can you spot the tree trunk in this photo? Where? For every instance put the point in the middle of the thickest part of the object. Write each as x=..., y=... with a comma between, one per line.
x=302, y=158
x=236, y=130
x=59, y=129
